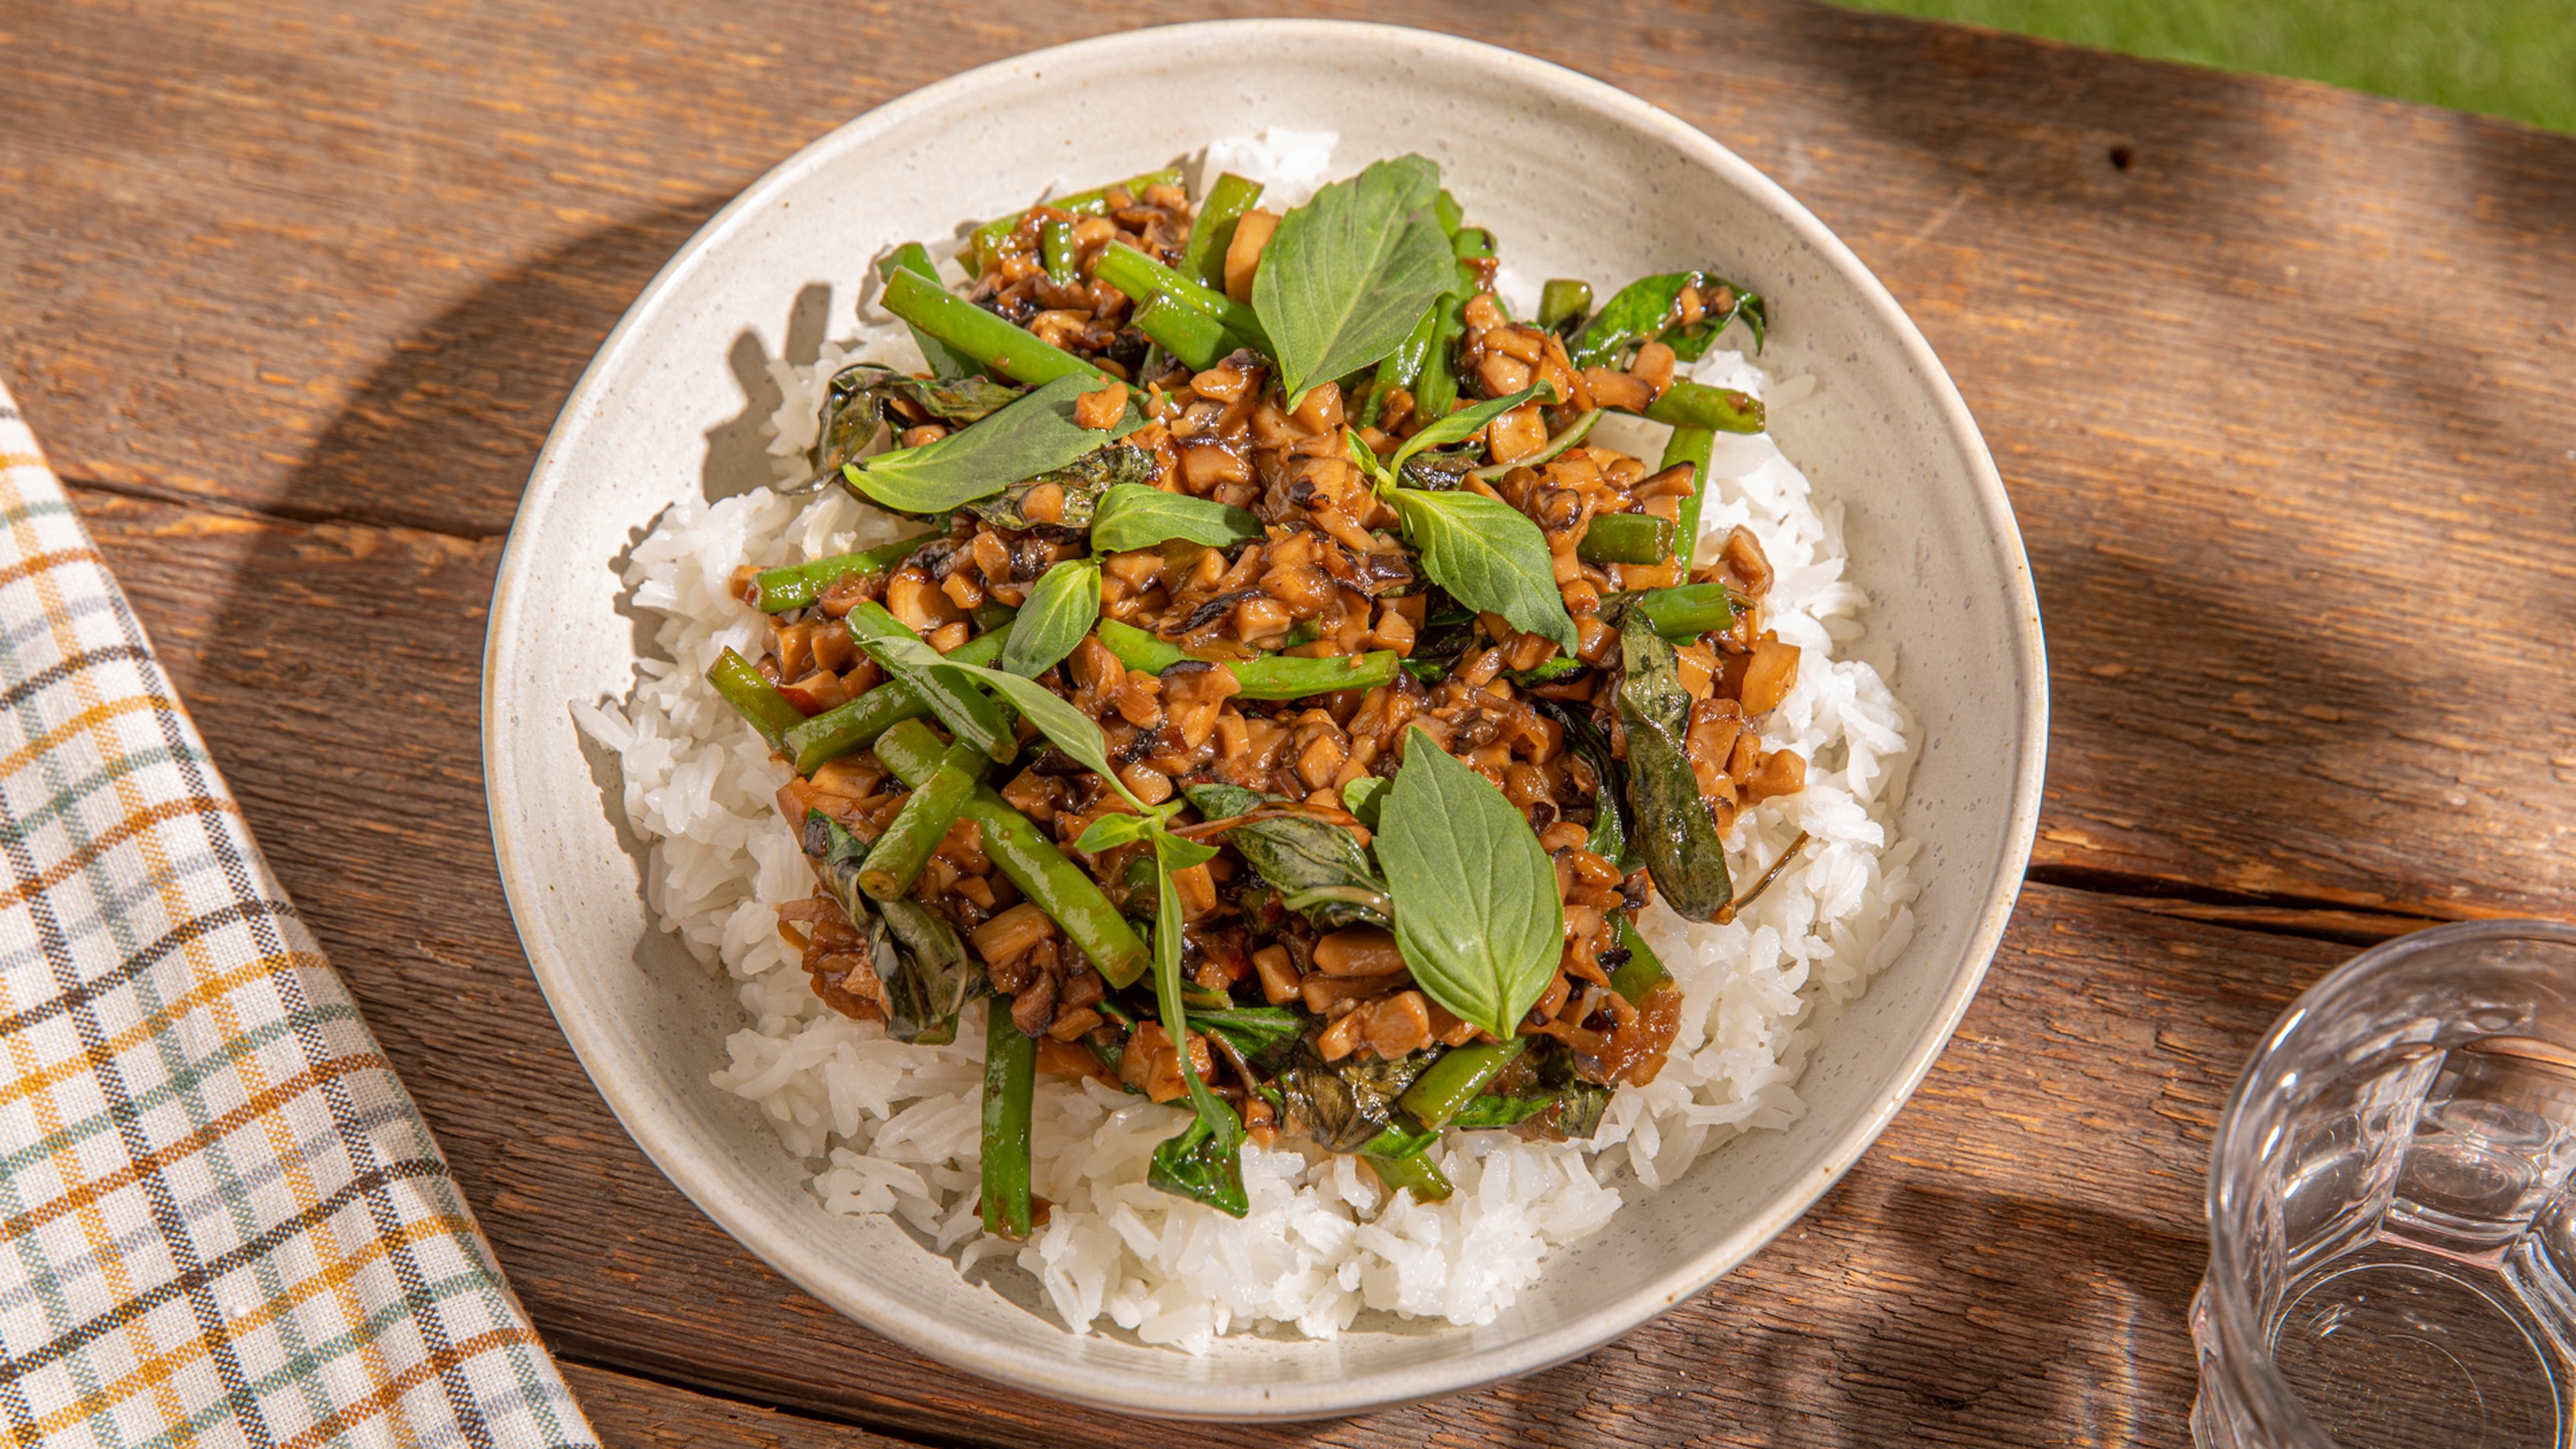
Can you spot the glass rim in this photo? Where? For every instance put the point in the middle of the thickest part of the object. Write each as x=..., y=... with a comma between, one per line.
x=2246, y=1360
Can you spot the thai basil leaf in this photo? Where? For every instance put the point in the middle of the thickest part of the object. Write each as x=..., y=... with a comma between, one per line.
x=1477, y=914
x=1489, y=556
x=854, y=407
x=1365, y=796
x=1466, y=421
x=1138, y=515
x=1223, y=802
x=939, y=682
x=1034, y=435
x=1112, y=831
x=1348, y=274
x=1649, y=309
x=1079, y=484
x=1672, y=826
x=1609, y=838
x=1060, y=611
x=1319, y=869
x=1488, y=1112
x=1343, y=1106
x=1256, y=1031
x=1204, y=1163
x=1068, y=728
x=920, y=960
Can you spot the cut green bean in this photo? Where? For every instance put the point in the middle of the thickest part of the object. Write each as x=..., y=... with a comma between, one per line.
x=1197, y=339
x=1265, y=676
x=1011, y=350
x=1010, y=1090
x=1437, y=391
x=1228, y=198
x=798, y=585
x=1644, y=970
x=756, y=699
x=969, y=712
x=946, y=362
x=1403, y=367
x=1450, y=1083
x=848, y=728
x=1140, y=277
x=1694, y=446
x=987, y=238
x=1697, y=405
x=1566, y=437
x=1562, y=301
x=1626, y=538
x=1055, y=252
x=1028, y=860
x=1415, y=1171
x=1685, y=611
x=915, y=833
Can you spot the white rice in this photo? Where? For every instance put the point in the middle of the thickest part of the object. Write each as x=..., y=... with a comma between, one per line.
x=892, y=1128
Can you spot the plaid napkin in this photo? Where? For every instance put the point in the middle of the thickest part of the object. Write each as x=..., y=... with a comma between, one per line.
x=224, y=1220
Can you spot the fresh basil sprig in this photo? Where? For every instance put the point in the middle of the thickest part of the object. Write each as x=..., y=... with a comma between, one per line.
x=1443, y=431
x=1205, y=1161
x=1137, y=515
x=1348, y=274
x=1059, y=611
x=1477, y=914
x=1034, y=435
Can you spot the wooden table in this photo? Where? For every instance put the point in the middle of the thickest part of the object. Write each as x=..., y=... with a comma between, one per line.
x=2278, y=376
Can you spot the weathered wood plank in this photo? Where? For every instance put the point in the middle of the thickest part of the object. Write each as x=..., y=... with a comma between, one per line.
x=2013, y=1258
x=2272, y=370
x=640, y=1413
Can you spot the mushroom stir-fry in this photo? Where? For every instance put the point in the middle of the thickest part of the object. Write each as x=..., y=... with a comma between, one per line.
x=1288, y=711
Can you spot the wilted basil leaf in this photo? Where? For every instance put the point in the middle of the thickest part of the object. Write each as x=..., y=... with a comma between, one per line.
x=1080, y=486
x=1609, y=838
x=1343, y=1106
x=1649, y=309
x=920, y=959
x=1672, y=825
x=854, y=407
x=1035, y=435
x=1204, y=1163
x=1319, y=869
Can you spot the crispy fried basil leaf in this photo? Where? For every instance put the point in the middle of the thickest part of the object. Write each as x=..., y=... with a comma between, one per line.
x=1609, y=838
x=1081, y=485
x=1477, y=913
x=1139, y=515
x=854, y=407
x=1649, y=309
x=1672, y=825
x=1348, y=274
x=1033, y=436
x=1319, y=869
x=1060, y=610
x=920, y=959
x=1489, y=556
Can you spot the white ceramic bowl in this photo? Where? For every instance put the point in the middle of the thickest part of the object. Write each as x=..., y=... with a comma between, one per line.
x=1577, y=179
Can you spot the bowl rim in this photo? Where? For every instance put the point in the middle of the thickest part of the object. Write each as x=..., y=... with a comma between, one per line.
x=627, y=1085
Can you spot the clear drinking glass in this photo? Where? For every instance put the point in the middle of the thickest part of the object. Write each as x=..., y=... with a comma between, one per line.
x=2392, y=1236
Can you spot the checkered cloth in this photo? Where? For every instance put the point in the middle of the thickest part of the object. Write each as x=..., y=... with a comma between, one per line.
x=224, y=1220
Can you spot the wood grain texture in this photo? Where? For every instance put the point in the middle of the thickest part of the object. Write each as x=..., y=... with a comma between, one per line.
x=640, y=1413
x=2273, y=372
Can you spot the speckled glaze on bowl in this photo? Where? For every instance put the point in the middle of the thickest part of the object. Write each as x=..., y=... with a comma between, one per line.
x=1578, y=179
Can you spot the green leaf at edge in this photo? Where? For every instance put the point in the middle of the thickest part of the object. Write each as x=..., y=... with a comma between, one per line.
x=1217, y=1129
x=1137, y=515
x=1489, y=556
x=1060, y=611
x=1466, y=421
x=1349, y=274
x=1477, y=914
x=1034, y=435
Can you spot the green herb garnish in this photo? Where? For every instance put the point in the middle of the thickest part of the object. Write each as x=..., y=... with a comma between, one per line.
x=1135, y=515
x=1349, y=273
x=1059, y=612
x=1034, y=435
x=1476, y=909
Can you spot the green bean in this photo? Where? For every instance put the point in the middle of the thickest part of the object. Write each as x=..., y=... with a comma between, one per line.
x=847, y=728
x=1685, y=611
x=1626, y=538
x=1415, y=1171
x=1228, y=198
x=1644, y=970
x=1563, y=300
x=1010, y=1089
x=1566, y=437
x=988, y=238
x=1055, y=251
x=1402, y=367
x=1265, y=676
x=1444, y=209
x=1453, y=1081
x=1194, y=337
x=1697, y=405
x=1693, y=446
x=1028, y=860
x=969, y=712
x=1013, y=351
x=946, y=362
x=798, y=585
x=755, y=698
x=1140, y=276
x=1437, y=392
x=897, y=858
